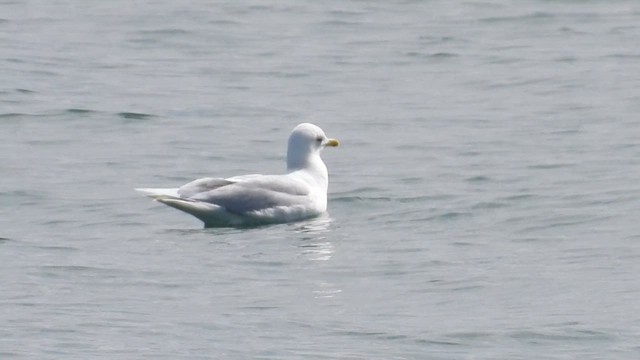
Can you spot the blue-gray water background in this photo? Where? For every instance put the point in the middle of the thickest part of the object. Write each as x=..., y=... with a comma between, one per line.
x=484, y=204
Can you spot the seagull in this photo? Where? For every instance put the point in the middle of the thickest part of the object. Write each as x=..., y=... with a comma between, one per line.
x=249, y=200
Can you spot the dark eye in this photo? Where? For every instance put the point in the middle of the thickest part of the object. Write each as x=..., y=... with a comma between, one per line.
x=319, y=139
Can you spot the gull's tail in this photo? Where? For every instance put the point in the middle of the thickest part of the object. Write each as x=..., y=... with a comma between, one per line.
x=158, y=193
x=210, y=214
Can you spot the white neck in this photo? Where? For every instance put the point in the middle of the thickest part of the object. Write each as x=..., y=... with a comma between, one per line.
x=311, y=165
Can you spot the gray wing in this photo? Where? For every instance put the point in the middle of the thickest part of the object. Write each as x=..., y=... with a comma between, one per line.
x=256, y=193
x=201, y=185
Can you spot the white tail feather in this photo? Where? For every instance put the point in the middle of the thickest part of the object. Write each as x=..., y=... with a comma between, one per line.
x=158, y=193
x=210, y=214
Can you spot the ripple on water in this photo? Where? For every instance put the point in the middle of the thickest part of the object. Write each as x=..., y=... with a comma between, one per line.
x=64, y=271
x=134, y=115
x=17, y=115
x=535, y=16
x=485, y=205
x=570, y=334
x=79, y=111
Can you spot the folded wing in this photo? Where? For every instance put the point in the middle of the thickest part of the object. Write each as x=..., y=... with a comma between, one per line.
x=242, y=195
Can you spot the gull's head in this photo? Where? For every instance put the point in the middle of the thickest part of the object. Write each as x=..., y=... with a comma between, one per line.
x=305, y=141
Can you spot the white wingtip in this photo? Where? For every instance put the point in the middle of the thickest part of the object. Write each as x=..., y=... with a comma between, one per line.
x=158, y=193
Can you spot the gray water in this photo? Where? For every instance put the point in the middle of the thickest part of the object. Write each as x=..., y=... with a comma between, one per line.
x=483, y=204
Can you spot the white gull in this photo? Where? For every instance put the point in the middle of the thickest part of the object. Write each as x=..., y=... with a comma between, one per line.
x=260, y=199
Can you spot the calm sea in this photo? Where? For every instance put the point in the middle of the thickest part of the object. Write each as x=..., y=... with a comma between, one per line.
x=484, y=203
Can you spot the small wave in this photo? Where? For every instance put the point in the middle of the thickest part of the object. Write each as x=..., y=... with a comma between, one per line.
x=345, y=13
x=25, y=91
x=336, y=22
x=550, y=166
x=403, y=200
x=533, y=16
x=134, y=115
x=518, y=197
x=568, y=222
x=350, y=199
x=472, y=335
x=478, y=178
x=165, y=32
x=71, y=268
x=437, y=55
x=437, y=342
x=571, y=334
x=57, y=270
x=15, y=115
x=224, y=22
x=437, y=39
x=366, y=189
x=624, y=56
x=452, y=215
x=79, y=111
x=12, y=115
x=58, y=248
x=488, y=205
x=377, y=334
x=446, y=216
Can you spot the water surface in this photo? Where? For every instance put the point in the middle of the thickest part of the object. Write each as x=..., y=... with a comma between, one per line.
x=483, y=204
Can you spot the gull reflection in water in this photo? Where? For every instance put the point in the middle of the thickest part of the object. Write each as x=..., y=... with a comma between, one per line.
x=316, y=248
x=326, y=290
x=315, y=245
x=316, y=225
